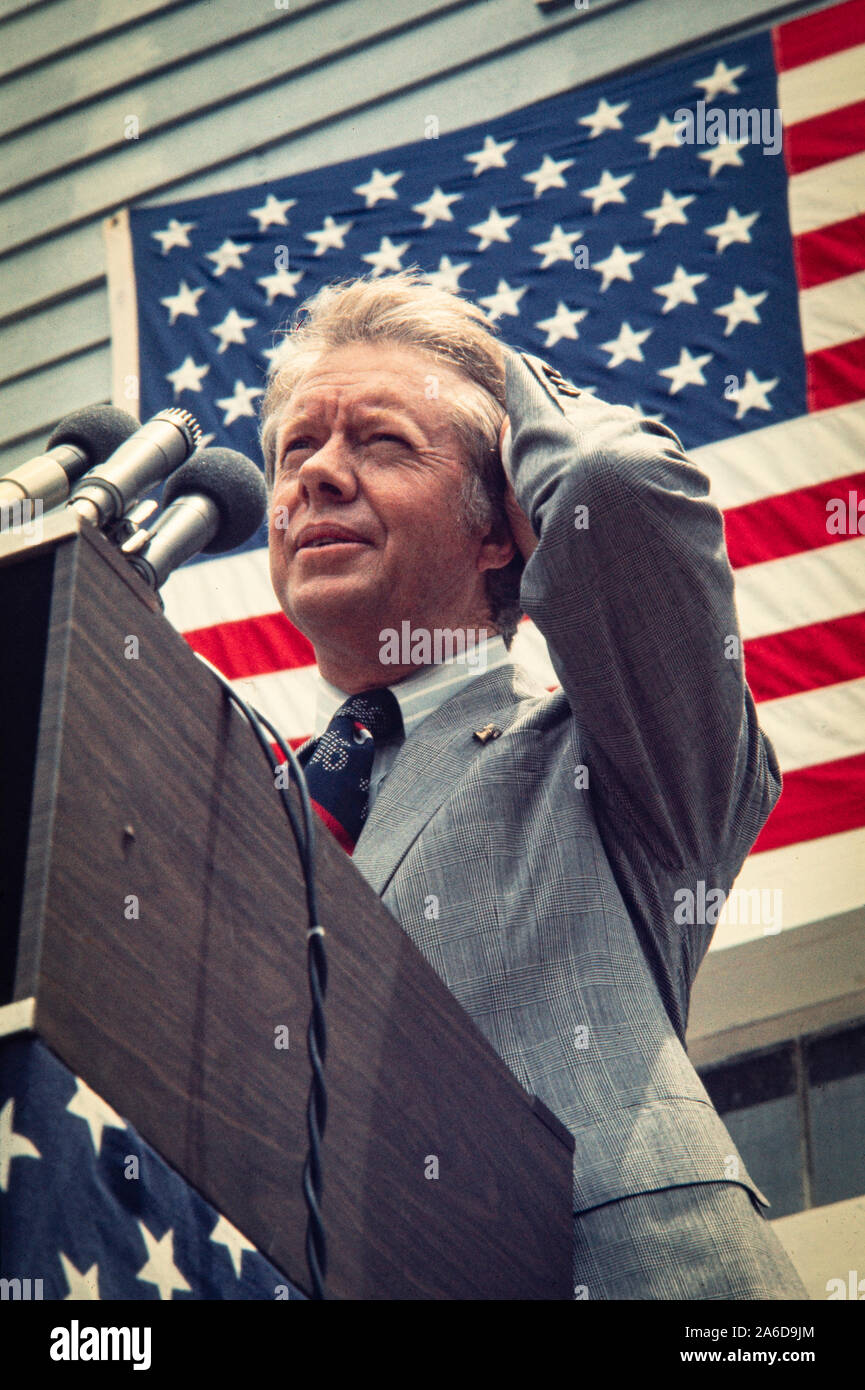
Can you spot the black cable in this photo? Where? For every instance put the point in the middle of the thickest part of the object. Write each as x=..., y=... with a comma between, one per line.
x=316, y=1034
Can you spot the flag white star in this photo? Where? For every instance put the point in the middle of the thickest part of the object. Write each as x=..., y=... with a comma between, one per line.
x=282, y=282
x=494, y=229
x=492, y=156
x=752, y=395
x=332, y=235
x=447, y=277
x=679, y=290
x=604, y=117
x=229, y=255
x=558, y=248
x=626, y=347
x=88, y=1106
x=664, y=136
x=723, y=79
x=187, y=377
x=378, y=188
x=239, y=403
x=724, y=153
x=563, y=324
x=175, y=234
x=387, y=257
x=184, y=302
x=225, y=1234
x=742, y=308
x=548, y=174
x=231, y=330
x=437, y=207
x=608, y=190
x=671, y=210
x=160, y=1268
x=12, y=1145
x=687, y=371
x=617, y=266
x=81, y=1286
x=735, y=227
x=506, y=300
x=272, y=213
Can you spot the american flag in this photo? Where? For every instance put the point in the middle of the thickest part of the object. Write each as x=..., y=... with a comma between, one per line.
x=719, y=285
x=89, y=1211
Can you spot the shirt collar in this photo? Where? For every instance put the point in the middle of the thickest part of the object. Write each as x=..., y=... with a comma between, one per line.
x=423, y=691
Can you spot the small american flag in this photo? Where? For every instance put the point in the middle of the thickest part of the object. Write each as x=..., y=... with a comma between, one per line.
x=89, y=1211
x=719, y=286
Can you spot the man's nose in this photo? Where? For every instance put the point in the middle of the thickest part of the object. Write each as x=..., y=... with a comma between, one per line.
x=330, y=470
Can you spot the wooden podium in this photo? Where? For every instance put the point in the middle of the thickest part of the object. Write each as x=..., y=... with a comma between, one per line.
x=154, y=938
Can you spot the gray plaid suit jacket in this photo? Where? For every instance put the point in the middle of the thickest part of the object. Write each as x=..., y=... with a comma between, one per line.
x=555, y=923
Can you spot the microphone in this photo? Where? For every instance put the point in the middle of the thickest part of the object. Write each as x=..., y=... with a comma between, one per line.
x=213, y=503
x=82, y=440
x=105, y=494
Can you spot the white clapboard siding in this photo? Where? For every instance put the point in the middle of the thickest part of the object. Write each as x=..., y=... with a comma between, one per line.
x=39, y=29
x=166, y=39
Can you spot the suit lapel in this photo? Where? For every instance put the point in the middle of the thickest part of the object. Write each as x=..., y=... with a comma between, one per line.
x=429, y=764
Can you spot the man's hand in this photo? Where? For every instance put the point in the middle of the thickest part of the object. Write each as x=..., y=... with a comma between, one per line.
x=521, y=527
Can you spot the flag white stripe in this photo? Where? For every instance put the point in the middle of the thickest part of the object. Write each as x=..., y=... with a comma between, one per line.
x=833, y=313
x=817, y=879
x=816, y=726
x=287, y=698
x=812, y=587
x=780, y=458
x=827, y=194
x=825, y=85
x=220, y=591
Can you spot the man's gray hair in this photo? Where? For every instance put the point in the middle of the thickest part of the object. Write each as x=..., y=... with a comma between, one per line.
x=404, y=308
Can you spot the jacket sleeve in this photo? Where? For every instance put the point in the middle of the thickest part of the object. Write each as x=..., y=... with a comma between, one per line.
x=631, y=586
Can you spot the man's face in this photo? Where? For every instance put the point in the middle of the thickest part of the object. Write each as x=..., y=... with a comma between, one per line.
x=365, y=451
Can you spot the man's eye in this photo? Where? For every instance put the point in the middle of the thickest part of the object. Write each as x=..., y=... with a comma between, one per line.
x=390, y=438
x=295, y=446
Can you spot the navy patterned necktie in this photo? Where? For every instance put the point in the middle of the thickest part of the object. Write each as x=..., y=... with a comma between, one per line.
x=339, y=763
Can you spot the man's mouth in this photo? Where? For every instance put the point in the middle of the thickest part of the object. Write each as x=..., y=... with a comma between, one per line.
x=319, y=536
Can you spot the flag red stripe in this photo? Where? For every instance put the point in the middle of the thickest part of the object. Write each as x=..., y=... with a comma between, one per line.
x=822, y=139
x=819, y=35
x=822, y=800
x=836, y=375
x=253, y=646
x=791, y=522
x=806, y=658
x=829, y=253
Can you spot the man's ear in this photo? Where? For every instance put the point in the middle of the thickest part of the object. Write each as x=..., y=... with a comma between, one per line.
x=498, y=546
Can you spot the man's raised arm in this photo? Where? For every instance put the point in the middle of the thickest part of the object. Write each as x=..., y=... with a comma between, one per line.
x=632, y=588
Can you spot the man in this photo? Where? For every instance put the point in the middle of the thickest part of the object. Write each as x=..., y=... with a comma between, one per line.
x=533, y=845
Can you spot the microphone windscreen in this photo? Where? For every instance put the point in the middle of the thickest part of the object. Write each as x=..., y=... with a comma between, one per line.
x=234, y=485
x=96, y=429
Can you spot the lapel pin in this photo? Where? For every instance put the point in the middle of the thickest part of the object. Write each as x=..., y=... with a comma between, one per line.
x=486, y=733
